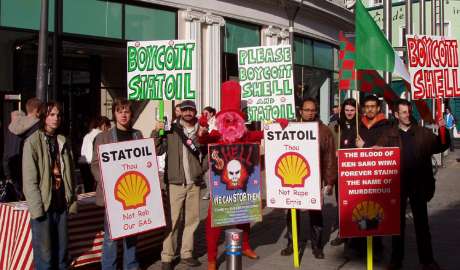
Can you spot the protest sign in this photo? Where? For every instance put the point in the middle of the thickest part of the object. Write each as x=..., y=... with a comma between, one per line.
x=234, y=183
x=162, y=70
x=369, y=192
x=433, y=66
x=266, y=79
x=292, y=166
x=133, y=201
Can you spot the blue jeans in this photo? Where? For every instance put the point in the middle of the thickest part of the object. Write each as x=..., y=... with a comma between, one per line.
x=109, y=252
x=49, y=241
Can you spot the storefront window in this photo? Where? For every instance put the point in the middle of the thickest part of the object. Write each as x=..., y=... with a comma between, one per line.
x=143, y=23
x=92, y=18
x=24, y=14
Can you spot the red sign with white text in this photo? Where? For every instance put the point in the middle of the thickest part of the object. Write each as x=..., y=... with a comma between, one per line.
x=433, y=66
x=369, y=192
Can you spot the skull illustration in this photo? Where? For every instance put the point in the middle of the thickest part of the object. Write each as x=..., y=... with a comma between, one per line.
x=234, y=171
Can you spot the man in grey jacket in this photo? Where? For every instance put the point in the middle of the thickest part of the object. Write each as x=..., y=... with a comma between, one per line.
x=49, y=188
x=183, y=177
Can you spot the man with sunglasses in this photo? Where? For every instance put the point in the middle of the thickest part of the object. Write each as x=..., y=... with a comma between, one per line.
x=183, y=178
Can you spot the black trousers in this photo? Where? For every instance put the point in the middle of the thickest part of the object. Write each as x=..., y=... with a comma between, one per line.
x=316, y=227
x=422, y=229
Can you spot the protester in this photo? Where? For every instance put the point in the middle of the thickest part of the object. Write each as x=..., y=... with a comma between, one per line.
x=123, y=131
x=335, y=114
x=183, y=179
x=20, y=128
x=209, y=113
x=345, y=128
x=49, y=188
x=450, y=124
x=177, y=113
x=230, y=128
x=328, y=169
x=373, y=123
x=97, y=125
x=417, y=145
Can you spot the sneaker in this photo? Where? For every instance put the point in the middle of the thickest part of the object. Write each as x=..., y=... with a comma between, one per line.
x=212, y=265
x=337, y=241
x=166, y=266
x=206, y=197
x=190, y=262
x=251, y=254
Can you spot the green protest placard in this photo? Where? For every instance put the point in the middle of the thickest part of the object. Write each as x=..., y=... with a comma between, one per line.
x=162, y=70
x=266, y=79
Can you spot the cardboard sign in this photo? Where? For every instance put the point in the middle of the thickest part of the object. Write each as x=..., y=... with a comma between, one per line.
x=292, y=166
x=433, y=66
x=234, y=184
x=129, y=173
x=266, y=79
x=369, y=192
x=162, y=70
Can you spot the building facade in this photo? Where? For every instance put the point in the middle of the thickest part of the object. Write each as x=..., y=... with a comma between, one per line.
x=91, y=41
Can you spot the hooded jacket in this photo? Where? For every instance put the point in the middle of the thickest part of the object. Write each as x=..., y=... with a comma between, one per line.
x=18, y=131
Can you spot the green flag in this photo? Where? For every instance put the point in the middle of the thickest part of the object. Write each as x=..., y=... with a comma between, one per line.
x=373, y=51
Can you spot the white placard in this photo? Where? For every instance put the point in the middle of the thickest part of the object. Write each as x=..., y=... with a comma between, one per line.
x=129, y=173
x=292, y=166
x=267, y=82
x=162, y=70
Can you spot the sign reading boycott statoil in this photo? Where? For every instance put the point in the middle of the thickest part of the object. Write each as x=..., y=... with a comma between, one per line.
x=433, y=66
x=369, y=192
x=162, y=70
x=133, y=201
x=292, y=166
x=266, y=79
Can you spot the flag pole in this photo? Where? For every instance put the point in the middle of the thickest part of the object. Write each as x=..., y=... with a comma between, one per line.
x=295, y=242
x=369, y=253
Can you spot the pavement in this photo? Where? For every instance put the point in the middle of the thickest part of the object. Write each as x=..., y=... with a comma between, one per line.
x=268, y=236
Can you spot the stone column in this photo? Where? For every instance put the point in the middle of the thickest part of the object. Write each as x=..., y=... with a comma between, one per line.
x=212, y=55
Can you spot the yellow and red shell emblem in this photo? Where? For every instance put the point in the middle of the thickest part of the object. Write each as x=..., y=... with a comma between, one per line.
x=368, y=215
x=132, y=189
x=293, y=169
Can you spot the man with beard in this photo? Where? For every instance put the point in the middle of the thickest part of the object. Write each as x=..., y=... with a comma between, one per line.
x=373, y=123
x=417, y=145
x=328, y=168
x=183, y=178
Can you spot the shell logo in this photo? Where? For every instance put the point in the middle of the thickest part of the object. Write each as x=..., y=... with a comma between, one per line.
x=368, y=215
x=293, y=169
x=132, y=189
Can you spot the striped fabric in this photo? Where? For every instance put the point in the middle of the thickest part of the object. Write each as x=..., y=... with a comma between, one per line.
x=85, y=235
x=347, y=72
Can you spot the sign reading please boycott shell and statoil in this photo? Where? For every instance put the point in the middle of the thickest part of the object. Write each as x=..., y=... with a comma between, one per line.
x=133, y=201
x=162, y=70
x=369, y=192
x=433, y=66
x=292, y=166
x=266, y=79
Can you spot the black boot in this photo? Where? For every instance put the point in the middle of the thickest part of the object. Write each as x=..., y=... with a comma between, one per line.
x=316, y=241
x=288, y=250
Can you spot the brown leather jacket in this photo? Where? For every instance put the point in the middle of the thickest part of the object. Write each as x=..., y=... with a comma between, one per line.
x=328, y=159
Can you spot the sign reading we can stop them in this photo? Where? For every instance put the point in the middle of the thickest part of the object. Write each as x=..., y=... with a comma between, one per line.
x=433, y=66
x=162, y=70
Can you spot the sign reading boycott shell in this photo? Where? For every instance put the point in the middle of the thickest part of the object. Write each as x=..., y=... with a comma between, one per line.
x=369, y=192
x=162, y=70
x=133, y=201
x=292, y=166
x=266, y=79
x=433, y=66
x=235, y=184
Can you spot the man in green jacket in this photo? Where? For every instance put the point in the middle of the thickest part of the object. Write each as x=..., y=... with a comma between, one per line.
x=183, y=177
x=49, y=188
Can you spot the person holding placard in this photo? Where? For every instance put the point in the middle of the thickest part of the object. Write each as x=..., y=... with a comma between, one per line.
x=123, y=131
x=328, y=167
x=417, y=145
x=183, y=179
x=373, y=123
x=49, y=188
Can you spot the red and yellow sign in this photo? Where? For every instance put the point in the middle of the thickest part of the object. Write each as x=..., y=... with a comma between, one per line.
x=293, y=169
x=132, y=189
